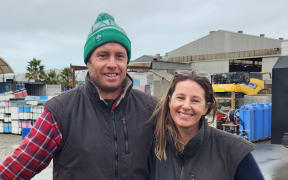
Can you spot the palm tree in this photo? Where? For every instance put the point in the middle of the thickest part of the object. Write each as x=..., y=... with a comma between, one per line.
x=52, y=78
x=35, y=71
x=66, y=78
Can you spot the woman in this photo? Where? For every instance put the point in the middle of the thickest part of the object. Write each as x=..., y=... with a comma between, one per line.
x=186, y=147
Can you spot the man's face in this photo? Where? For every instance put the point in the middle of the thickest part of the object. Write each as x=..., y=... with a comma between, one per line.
x=107, y=68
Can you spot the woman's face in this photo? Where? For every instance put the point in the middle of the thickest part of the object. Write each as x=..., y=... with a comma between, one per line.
x=187, y=104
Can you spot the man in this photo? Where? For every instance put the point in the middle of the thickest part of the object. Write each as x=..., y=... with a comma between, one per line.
x=97, y=131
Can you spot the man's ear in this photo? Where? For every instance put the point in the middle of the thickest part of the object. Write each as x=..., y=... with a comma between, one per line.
x=88, y=61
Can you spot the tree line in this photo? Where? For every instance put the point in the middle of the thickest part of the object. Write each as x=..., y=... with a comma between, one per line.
x=36, y=71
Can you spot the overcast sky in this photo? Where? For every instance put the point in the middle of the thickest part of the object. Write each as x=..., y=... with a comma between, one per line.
x=55, y=31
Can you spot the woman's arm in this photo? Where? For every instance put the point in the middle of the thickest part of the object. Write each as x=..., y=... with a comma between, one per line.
x=248, y=169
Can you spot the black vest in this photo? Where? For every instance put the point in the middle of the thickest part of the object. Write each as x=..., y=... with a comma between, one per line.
x=99, y=143
x=211, y=154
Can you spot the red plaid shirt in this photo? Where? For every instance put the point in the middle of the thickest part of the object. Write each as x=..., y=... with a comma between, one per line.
x=36, y=150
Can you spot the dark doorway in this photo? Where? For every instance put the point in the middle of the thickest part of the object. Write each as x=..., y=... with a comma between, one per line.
x=245, y=65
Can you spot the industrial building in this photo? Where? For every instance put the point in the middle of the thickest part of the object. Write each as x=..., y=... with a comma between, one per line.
x=224, y=51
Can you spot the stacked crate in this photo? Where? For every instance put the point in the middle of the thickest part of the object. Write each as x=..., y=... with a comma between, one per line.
x=2, y=108
x=5, y=114
x=1, y=126
x=17, y=105
x=20, y=113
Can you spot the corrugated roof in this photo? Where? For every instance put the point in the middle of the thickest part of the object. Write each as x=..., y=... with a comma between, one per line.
x=144, y=58
x=223, y=42
x=4, y=67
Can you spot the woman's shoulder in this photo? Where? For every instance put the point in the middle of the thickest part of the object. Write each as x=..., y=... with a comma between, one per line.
x=231, y=146
x=226, y=138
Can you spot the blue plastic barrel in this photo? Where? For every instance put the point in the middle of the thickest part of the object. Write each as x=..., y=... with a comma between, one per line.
x=25, y=132
x=266, y=120
x=269, y=118
x=254, y=130
x=259, y=121
x=246, y=122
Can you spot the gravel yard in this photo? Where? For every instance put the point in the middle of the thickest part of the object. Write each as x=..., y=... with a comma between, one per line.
x=8, y=143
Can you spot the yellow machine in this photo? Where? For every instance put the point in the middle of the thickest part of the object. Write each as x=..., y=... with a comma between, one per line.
x=254, y=86
x=233, y=86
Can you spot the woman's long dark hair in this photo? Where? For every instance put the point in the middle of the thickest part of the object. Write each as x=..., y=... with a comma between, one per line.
x=164, y=121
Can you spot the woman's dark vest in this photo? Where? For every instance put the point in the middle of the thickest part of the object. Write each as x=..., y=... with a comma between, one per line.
x=211, y=154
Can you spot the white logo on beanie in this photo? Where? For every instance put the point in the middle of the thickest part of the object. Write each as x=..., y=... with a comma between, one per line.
x=98, y=37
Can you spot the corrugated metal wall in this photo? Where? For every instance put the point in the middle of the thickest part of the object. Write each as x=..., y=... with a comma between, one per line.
x=216, y=66
x=35, y=89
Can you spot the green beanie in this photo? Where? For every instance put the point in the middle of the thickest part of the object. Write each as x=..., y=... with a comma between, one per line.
x=105, y=30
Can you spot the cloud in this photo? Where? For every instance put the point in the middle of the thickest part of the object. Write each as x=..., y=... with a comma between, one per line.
x=55, y=31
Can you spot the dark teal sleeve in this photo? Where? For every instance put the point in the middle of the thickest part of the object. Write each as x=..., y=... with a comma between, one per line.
x=248, y=169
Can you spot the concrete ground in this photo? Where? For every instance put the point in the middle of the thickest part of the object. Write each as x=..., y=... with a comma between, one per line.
x=272, y=159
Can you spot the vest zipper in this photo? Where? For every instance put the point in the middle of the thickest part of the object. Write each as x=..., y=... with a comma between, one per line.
x=125, y=135
x=181, y=173
x=116, y=173
x=192, y=177
x=181, y=177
